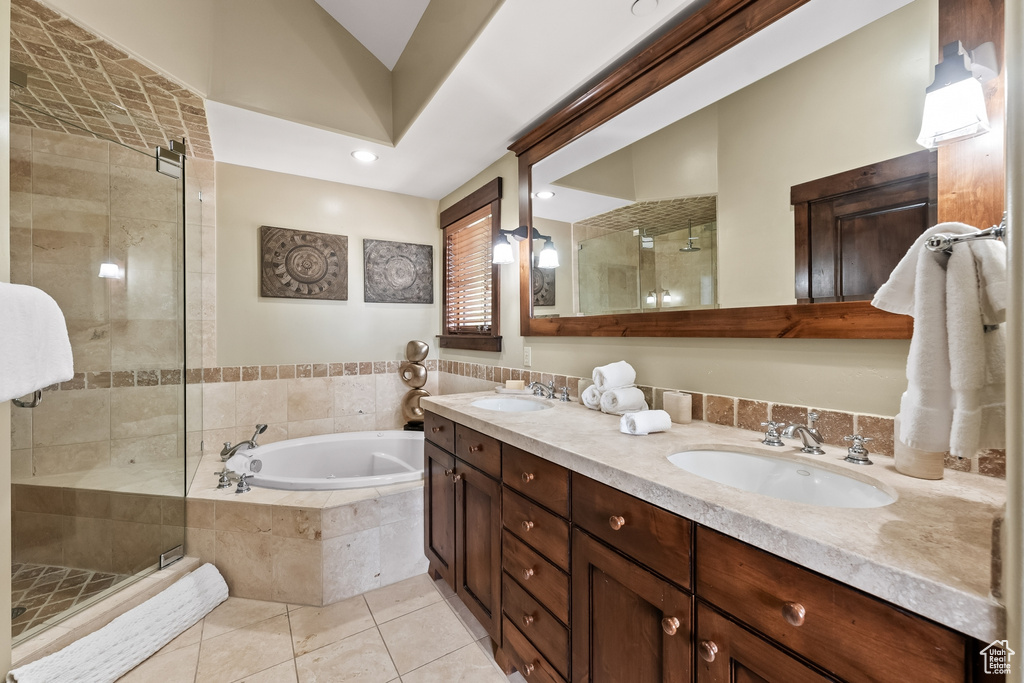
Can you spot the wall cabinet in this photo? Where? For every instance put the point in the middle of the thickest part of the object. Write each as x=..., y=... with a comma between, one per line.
x=578, y=581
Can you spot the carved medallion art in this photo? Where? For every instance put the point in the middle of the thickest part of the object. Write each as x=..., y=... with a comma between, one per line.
x=298, y=264
x=398, y=272
x=543, y=280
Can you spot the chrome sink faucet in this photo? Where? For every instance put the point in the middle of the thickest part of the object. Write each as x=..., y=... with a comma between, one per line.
x=541, y=390
x=809, y=436
x=229, y=450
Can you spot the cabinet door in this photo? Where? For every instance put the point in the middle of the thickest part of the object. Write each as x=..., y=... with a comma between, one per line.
x=439, y=511
x=729, y=653
x=478, y=545
x=627, y=623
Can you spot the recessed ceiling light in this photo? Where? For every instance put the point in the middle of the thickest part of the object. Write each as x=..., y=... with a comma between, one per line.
x=643, y=7
x=364, y=156
x=545, y=194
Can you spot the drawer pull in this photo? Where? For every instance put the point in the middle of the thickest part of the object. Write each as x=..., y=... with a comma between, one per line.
x=670, y=625
x=527, y=620
x=616, y=522
x=527, y=669
x=476, y=449
x=707, y=650
x=457, y=478
x=794, y=613
x=527, y=477
x=527, y=525
x=528, y=573
x=435, y=430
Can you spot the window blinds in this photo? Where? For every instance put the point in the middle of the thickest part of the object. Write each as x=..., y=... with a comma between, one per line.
x=468, y=274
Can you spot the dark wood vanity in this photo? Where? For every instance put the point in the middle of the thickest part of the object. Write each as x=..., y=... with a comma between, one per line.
x=577, y=581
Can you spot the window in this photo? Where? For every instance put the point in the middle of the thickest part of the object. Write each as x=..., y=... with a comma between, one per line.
x=471, y=313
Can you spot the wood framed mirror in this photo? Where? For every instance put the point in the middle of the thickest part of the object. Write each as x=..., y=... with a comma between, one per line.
x=756, y=74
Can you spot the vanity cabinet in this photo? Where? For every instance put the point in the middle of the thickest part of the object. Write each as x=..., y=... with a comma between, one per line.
x=578, y=581
x=462, y=508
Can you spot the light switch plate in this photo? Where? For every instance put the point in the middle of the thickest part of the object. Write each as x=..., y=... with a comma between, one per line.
x=527, y=356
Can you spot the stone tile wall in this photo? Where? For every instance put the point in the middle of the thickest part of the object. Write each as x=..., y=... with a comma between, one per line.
x=458, y=377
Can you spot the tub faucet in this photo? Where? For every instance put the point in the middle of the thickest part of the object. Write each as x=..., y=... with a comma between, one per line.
x=809, y=436
x=229, y=450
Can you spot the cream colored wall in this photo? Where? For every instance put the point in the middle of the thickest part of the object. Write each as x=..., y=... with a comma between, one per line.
x=611, y=176
x=252, y=330
x=445, y=31
x=5, y=411
x=865, y=376
x=561, y=236
x=242, y=53
x=680, y=160
x=860, y=99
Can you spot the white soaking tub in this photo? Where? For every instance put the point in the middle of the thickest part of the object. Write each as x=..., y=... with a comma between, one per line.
x=334, y=461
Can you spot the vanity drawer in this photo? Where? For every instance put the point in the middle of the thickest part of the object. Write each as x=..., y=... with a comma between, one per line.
x=541, y=579
x=539, y=480
x=479, y=450
x=537, y=624
x=856, y=637
x=648, y=534
x=547, y=533
x=525, y=656
x=439, y=430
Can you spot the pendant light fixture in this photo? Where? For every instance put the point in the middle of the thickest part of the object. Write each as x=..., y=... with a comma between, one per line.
x=954, y=104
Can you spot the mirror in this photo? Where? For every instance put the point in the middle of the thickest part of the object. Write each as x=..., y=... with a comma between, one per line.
x=683, y=201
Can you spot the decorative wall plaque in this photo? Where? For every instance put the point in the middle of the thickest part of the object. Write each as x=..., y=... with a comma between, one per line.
x=298, y=264
x=543, y=280
x=398, y=272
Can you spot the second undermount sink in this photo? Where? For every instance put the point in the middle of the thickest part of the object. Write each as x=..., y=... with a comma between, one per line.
x=781, y=478
x=509, y=405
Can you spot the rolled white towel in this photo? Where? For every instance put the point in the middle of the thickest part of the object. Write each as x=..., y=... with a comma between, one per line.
x=614, y=375
x=591, y=397
x=645, y=422
x=623, y=400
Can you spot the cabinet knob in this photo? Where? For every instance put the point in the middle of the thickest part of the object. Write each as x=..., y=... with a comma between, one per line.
x=449, y=473
x=527, y=669
x=476, y=449
x=457, y=478
x=794, y=613
x=707, y=649
x=616, y=522
x=527, y=619
x=435, y=430
x=527, y=573
x=670, y=625
x=527, y=525
x=527, y=477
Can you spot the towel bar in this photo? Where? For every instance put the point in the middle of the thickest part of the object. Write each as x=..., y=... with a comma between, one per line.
x=36, y=399
x=944, y=242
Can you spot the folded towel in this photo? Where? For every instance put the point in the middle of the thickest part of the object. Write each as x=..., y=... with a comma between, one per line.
x=645, y=422
x=955, y=369
x=34, y=341
x=623, y=400
x=614, y=375
x=591, y=397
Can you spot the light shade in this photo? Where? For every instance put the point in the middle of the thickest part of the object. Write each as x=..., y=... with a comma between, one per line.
x=502, y=252
x=666, y=298
x=110, y=270
x=652, y=298
x=954, y=112
x=548, y=257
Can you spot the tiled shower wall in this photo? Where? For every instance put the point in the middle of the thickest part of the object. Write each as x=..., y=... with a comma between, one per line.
x=457, y=377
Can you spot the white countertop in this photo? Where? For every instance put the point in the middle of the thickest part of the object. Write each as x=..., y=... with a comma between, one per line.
x=929, y=552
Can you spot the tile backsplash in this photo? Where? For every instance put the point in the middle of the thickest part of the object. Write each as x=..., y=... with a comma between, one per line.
x=458, y=376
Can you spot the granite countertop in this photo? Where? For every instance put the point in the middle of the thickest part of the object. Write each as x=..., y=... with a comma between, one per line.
x=929, y=552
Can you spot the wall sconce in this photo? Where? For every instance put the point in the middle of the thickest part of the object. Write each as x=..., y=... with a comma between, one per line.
x=954, y=104
x=110, y=270
x=652, y=298
x=666, y=297
x=502, y=252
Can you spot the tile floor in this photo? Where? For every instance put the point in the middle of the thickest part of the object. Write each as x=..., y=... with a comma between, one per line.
x=47, y=591
x=409, y=632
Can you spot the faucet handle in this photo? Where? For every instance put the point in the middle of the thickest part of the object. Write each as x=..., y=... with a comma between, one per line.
x=243, y=485
x=857, y=453
x=564, y=394
x=225, y=479
x=771, y=437
x=812, y=417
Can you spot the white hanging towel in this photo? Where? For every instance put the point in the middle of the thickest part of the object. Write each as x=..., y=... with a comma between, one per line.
x=34, y=347
x=614, y=375
x=954, y=367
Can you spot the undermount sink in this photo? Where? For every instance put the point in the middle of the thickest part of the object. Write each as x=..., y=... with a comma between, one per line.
x=509, y=405
x=781, y=478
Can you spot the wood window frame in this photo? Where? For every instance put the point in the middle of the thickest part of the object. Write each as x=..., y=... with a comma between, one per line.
x=488, y=195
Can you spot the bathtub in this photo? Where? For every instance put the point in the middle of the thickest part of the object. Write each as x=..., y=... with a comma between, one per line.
x=334, y=461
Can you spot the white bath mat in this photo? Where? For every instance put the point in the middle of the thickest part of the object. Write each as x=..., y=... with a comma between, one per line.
x=107, y=654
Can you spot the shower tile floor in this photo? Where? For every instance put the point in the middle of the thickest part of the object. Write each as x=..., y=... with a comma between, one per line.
x=46, y=591
x=414, y=631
